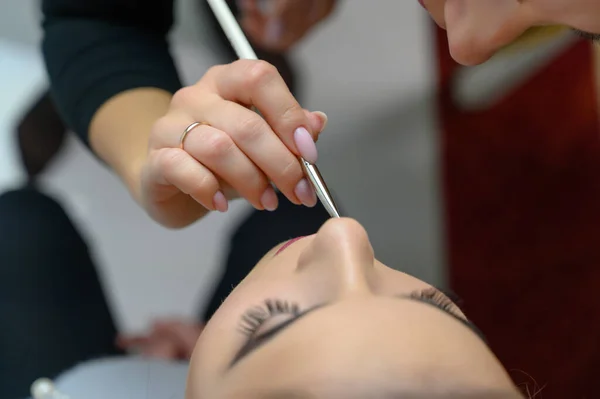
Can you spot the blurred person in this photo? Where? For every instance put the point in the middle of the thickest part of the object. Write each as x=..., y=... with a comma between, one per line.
x=318, y=315
x=40, y=134
x=52, y=309
x=520, y=176
x=476, y=29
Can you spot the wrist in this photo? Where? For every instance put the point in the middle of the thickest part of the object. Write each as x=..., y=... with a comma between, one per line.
x=131, y=175
x=120, y=131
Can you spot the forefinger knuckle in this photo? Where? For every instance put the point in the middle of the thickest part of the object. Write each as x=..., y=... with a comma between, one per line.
x=184, y=97
x=260, y=73
x=293, y=114
x=212, y=72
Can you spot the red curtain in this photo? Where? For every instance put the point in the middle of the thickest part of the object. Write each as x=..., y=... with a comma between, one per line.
x=521, y=182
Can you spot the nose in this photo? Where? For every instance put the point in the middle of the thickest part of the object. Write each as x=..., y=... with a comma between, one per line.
x=341, y=253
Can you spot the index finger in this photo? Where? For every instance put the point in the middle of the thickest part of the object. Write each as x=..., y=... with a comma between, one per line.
x=259, y=84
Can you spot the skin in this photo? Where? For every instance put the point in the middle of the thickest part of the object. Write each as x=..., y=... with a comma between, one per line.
x=477, y=29
x=363, y=339
x=235, y=153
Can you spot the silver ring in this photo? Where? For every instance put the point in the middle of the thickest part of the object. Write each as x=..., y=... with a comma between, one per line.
x=189, y=129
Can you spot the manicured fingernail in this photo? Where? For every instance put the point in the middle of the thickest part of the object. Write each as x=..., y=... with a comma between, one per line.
x=323, y=117
x=305, y=193
x=269, y=199
x=273, y=31
x=305, y=144
x=220, y=202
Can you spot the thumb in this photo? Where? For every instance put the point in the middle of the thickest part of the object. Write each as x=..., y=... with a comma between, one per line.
x=318, y=122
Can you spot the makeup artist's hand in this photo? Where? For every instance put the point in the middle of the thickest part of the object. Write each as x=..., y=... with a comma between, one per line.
x=167, y=339
x=236, y=152
x=277, y=25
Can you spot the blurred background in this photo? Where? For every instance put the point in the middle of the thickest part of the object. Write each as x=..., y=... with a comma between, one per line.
x=479, y=179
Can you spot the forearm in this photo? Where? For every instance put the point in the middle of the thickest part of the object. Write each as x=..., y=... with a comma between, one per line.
x=119, y=131
x=111, y=73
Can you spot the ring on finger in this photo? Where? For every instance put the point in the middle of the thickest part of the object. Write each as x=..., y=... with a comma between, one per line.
x=188, y=130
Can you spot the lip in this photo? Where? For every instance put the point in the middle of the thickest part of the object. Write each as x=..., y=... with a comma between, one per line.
x=287, y=244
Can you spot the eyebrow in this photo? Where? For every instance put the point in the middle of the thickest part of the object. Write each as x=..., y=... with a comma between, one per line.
x=256, y=342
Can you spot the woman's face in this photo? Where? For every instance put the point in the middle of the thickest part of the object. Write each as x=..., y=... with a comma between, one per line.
x=478, y=28
x=320, y=315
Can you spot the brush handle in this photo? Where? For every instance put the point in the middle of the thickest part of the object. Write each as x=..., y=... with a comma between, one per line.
x=232, y=30
x=244, y=50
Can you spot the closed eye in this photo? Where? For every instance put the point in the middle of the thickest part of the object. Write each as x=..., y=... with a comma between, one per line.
x=594, y=37
x=254, y=343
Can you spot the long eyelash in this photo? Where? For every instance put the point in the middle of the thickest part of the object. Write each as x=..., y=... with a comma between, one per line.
x=594, y=37
x=436, y=297
x=255, y=317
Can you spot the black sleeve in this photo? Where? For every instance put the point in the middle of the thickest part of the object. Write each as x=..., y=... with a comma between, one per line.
x=95, y=49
